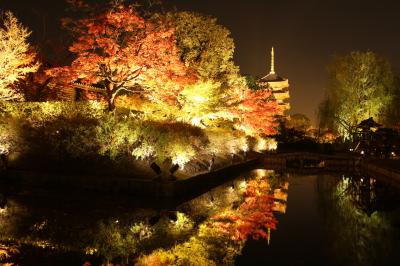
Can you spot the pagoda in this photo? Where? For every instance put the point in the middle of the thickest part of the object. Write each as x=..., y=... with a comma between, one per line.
x=278, y=85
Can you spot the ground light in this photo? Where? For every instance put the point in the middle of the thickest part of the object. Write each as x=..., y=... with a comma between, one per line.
x=3, y=210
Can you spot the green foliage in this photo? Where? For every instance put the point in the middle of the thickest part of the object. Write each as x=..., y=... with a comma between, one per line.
x=299, y=122
x=361, y=87
x=25, y=125
x=167, y=232
x=220, y=248
x=60, y=129
x=252, y=83
x=207, y=247
x=207, y=47
x=175, y=140
x=37, y=113
x=8, y=133
x=117, y=135
x=65, y=130
x=114, y=240
x=204, y=45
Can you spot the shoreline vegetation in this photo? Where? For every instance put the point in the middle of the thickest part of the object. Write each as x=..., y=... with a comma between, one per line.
x=81, y=138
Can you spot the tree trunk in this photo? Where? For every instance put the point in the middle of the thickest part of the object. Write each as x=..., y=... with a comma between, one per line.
x=109, y=96
x=111, y=104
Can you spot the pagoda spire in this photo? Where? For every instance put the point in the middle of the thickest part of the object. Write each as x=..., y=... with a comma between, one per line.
x=272, y=61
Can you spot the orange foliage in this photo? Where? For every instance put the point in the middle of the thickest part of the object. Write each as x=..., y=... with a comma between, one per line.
x=258, y=111
x=254, y=218
x=120, y=51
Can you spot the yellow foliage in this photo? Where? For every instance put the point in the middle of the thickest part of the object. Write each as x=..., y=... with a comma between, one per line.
x=90, y=250
x=7, y=251
x=179, y=142
x=157, y=258
x=17, y=59
x=143, y=151
x=261, y=144
x=200, y=101
x=183, y=222
x=224, y=141
x=146, y=109
x=181, y=154
x=208, y=247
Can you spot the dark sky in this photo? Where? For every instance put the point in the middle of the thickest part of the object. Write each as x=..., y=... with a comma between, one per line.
x=305, y=34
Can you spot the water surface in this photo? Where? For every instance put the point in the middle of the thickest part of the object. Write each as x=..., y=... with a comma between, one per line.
x=258, y=218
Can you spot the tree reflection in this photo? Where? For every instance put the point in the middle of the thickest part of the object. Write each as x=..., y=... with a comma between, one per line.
x=358, y=221
x=221, y=238
x=214, y=226
x=254, y=217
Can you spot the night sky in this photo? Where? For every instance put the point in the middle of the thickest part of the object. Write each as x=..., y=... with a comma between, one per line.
x=305, y=34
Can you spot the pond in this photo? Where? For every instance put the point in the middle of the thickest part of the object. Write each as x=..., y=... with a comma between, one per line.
x=258, y=218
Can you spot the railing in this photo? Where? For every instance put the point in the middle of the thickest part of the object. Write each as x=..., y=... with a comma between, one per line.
x=68, y=92
x=331, y=163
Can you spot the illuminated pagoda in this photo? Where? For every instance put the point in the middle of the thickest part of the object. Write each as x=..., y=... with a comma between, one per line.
x=278, y=85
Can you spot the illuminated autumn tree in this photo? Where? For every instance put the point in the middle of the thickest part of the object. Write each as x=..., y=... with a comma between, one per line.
x=258, y=112
x=204, y=101
x=361, y=87
x=118, y=50
x=16, y=56
x=205, y=45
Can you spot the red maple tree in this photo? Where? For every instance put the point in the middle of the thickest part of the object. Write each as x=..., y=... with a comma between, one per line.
x=258, y=112
x=118, y=50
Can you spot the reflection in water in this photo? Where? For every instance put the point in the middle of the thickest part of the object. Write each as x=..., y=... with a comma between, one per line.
x=360, y=213
x=360, y=191
x=253, y=218
x=359, y=216
x=241, y=210
x=213, y=226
